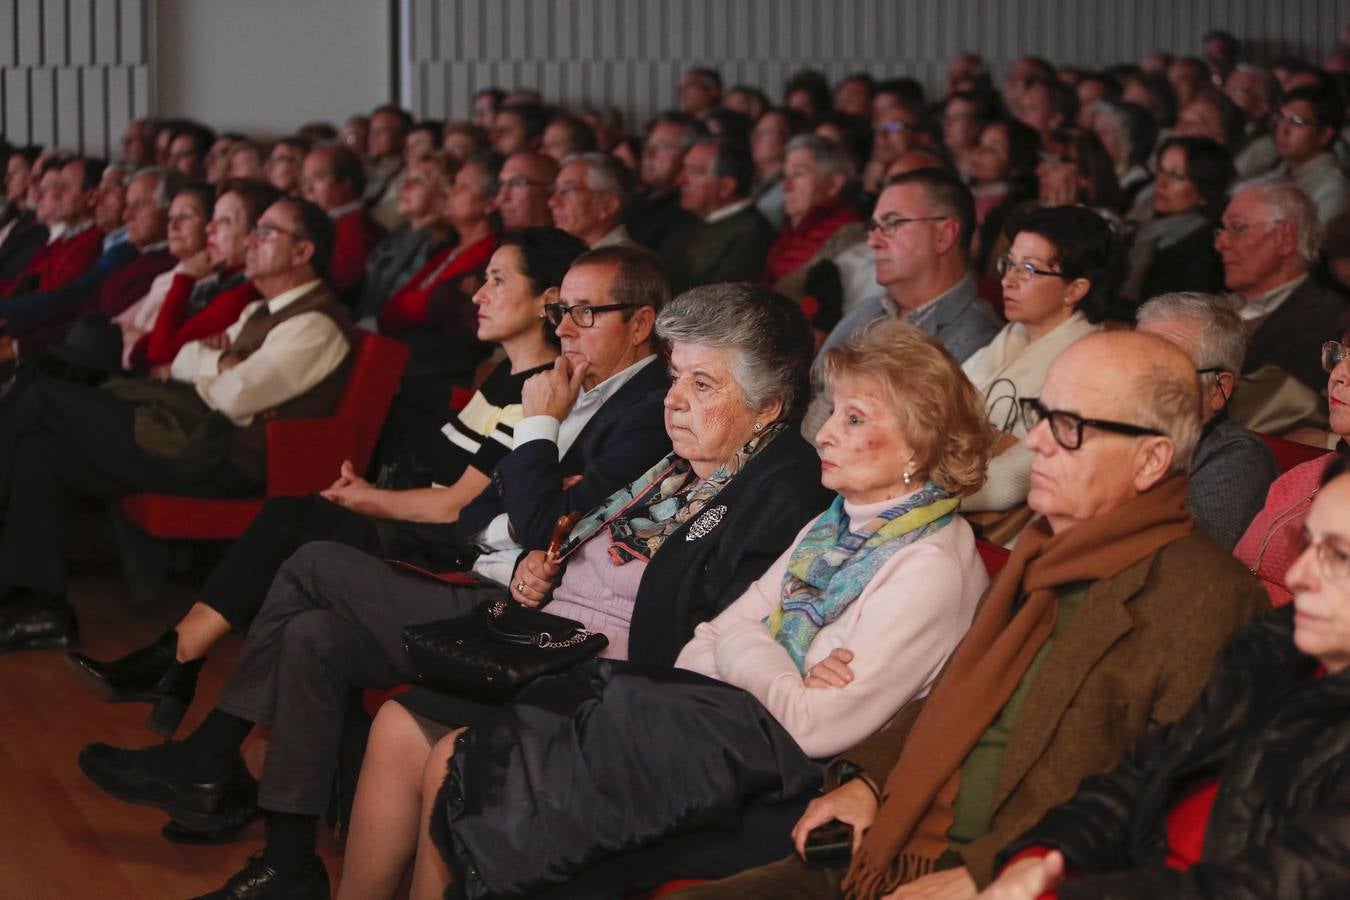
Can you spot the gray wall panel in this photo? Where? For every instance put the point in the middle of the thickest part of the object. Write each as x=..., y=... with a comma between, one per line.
x=58, y=58
x=629, y=53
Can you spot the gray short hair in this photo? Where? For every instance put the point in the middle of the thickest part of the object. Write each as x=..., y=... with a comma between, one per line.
x=1223, y=335
x=1170, y=405
x=604, y=174
x=168, y=181
x=1288, y=203
x=829, y=157
x=767, y=335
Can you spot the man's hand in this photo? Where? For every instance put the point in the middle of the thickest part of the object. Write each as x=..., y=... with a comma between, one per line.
x=832, y=671
x=553, y=392
x=215, y=341
x=534, y=578
x=1027, y=879
x=950, y=884
x=198, y=265
x=227, y=361
x=854, y=804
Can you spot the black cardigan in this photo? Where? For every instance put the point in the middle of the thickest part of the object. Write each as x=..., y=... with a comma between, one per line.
x=1279, y=742
x=696, y=575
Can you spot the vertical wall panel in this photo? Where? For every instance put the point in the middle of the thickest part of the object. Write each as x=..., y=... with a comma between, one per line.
x=59, y=58
x=629, y=53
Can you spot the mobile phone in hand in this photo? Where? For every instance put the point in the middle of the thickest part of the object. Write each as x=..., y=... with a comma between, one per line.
x=829, y=843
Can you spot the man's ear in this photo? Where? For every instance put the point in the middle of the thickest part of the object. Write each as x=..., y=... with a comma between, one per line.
x=643, y=321
x=1152, y=461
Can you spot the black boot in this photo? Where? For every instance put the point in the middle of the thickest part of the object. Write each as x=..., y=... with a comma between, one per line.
x=259, y=881
x=33, y=621
x=148, y=675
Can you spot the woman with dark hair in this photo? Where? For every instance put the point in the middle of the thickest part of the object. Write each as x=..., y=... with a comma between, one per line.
x=1174, y=251
x=1247, y=794
x=1057, y=278
x=523, y=276
x=1075, y=169
x=1002, y=177
x=775, y=127
x=808, y=92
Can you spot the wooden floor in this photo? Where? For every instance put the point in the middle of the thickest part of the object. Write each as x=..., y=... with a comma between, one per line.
x=61, y=837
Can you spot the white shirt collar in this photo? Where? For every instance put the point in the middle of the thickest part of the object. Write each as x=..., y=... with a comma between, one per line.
x=597, y=395
x=728, y=211
x=1262, y=306
x=338, y=212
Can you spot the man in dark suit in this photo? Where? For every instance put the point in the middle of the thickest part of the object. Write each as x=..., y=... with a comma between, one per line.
x=1269, y=237
x=726, y=238
x=334, y=617
x=287, y=357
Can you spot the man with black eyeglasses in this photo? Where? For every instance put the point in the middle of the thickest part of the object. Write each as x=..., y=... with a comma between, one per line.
x=920, y=238
x=1102, y=625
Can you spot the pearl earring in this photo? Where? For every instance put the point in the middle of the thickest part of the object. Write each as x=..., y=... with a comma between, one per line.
x=759, y=426
x=907, y=477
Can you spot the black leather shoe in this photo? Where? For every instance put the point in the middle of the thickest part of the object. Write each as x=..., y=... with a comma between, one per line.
x=237, y=819
x=148, y=675
x=259, y=881
x=35, y=622
x=151, y=776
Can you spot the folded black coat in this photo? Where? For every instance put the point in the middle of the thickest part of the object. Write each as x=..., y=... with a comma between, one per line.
x=1277, y=738
x=604, y=760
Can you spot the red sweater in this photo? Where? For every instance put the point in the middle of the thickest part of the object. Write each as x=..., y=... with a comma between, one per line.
x=132, y=282
x=407, y=309
x=175, y=327
x=795, y=245
x=357, y=235
x=60, y=261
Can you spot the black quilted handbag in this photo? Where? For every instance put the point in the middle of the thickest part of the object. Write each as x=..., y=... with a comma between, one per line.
x=494, y=651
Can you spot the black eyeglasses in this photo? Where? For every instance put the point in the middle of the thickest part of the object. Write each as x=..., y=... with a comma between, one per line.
x=1333, y=354
x=1067, y=428
x=1023, y=271
x=583, y=314
x=889, y=225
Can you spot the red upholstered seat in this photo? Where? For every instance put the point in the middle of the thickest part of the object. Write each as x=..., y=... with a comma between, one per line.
x=303, y=455
x=991, y=289
x=992, y=555
x=1291, y=453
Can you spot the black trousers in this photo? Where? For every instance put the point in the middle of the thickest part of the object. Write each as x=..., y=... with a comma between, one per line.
x=62, y=442
x=332, y=622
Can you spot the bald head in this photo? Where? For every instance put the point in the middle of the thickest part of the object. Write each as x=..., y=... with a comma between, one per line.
x=1144, y=393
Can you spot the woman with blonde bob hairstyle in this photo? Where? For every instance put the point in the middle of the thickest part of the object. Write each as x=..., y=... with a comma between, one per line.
x=624, y=769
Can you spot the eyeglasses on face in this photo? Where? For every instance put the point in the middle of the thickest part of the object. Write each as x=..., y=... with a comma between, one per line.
x=1296, y=121
x=582, y=314
x=265, y=232
x=1067, y=428
x=1023, y=271
x=889, y=225
x=1333, y=354
x=1332, y=558
x=520, y=182
x=1236, y=230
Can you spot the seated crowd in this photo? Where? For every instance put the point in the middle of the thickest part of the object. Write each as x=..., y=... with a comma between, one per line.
x=815, y=365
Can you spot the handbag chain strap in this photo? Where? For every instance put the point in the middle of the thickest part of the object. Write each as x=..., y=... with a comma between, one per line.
x=544, y=640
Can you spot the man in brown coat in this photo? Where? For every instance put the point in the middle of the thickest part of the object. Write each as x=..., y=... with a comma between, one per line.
x=1102, y=625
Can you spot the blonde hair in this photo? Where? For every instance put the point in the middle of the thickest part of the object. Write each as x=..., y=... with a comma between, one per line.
x=941, y=412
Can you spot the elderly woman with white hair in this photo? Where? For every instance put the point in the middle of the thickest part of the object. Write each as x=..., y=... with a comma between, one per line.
x=1232, y=467
x=624, y=770
x=820, y=222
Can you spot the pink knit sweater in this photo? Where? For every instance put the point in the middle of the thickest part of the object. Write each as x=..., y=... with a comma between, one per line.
x=1266, y=549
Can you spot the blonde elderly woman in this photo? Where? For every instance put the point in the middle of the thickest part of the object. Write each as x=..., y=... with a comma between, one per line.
x=624, y=769
x=1055, y=284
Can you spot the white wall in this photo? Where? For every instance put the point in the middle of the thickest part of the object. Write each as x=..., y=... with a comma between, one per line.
x=269, y=66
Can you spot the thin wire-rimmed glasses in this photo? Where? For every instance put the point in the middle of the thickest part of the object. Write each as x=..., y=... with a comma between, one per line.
x=1067, y=428
x=1332, y=558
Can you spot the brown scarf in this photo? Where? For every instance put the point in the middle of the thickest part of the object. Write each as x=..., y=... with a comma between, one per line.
x=910, y=830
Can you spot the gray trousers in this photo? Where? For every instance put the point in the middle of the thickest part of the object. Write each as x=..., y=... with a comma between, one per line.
x=332, y=622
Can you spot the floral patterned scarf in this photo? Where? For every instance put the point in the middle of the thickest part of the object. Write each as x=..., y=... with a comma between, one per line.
x=832, y=564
